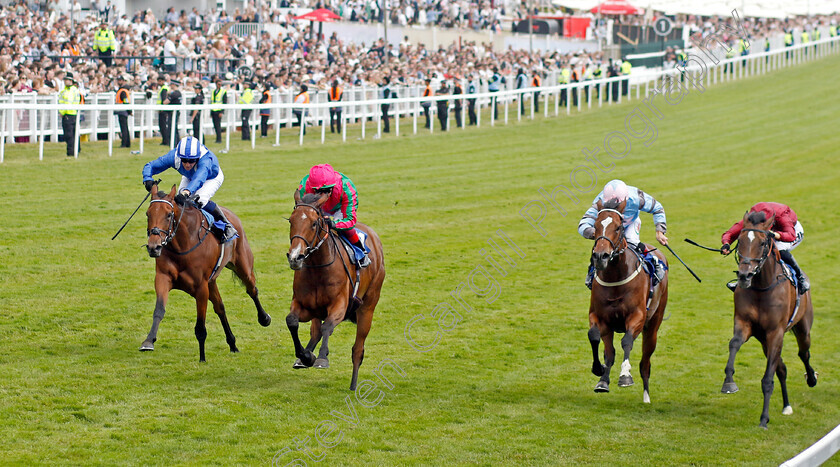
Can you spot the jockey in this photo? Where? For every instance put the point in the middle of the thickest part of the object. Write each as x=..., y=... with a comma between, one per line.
x=637, y=201
x=340, y=207
x=786, y=230
x=201, y=177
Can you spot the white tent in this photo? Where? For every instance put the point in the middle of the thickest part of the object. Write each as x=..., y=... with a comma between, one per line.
x=746, y=8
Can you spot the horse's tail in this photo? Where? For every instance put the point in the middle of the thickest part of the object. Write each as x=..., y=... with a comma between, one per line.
x=236, y=278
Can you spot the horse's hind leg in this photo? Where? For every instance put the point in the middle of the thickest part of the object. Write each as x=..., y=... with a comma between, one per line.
x=740, y=335
x=201, y=297
x=163, y=284
x=243, y=267
x=802, y=331
x=773, y=349
x=219, y=308
x=648, y=347
x=781, y=374
x=364, y=319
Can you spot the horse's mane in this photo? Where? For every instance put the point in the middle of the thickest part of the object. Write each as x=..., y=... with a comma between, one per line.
x=612, y=204
x=310, y=198
x=757, y=217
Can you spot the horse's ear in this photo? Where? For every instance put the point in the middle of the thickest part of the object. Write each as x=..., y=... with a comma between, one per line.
x=297, y=197
x=621, y=206
x=599, y=205
x=769, y=223
x=746, y=216
x=173, y=190
x=323, y=199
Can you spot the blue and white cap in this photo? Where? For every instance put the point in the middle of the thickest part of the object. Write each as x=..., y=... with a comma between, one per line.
x=190, y=148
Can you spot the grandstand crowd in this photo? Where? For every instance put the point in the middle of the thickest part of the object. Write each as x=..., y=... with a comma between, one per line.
x=41, y=44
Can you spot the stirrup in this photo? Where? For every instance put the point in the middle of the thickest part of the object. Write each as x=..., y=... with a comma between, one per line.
x=364, y=262
x=229, y=234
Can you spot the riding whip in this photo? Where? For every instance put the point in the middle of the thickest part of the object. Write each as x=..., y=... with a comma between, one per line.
x=683, y=262
x=135, y=211
x=719, y=250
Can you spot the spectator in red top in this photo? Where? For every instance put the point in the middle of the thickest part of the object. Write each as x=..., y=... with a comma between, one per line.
x=786, y=230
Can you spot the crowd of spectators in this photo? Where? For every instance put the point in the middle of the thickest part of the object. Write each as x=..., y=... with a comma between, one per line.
x=39, y=45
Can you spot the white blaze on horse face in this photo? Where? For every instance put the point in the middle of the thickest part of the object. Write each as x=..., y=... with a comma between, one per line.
x=303, y=216
x=295, y=252
x=751, y=236
x=625, y=368
x=604, y=224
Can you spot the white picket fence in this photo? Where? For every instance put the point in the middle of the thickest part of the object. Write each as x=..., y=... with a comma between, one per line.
x=36, y=117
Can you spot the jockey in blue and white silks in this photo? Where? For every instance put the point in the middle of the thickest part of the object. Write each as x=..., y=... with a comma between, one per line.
x=201, y=177
x=637, y=201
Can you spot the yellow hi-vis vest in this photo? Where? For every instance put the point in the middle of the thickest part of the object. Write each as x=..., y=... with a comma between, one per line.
x=69, y=96
x=219, y=98
x=247, y=97
x=564, y=76
x=805, y=38
x=165, y=87
x=104, y=40
x=626, y=67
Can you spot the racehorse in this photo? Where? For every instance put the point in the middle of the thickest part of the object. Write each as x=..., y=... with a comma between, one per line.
x=185, y=259
x=621, y=299
x=765, y=301
x=324, y=283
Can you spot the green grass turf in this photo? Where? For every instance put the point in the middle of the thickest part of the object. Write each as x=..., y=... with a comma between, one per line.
x=510, y=384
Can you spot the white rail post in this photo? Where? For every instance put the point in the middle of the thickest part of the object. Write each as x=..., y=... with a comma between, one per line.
x=3, y=136
x=43, y=121
x=229, y=128
x=142, y=128
x=76, y=135
x=110, y=134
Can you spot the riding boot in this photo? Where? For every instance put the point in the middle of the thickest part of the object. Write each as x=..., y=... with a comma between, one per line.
x=230, y=231
x=364, y=262
x=590, y=275
x=803, y=283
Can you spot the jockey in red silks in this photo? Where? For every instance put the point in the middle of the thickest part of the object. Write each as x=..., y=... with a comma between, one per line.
x=340, y=208
x=786, y=230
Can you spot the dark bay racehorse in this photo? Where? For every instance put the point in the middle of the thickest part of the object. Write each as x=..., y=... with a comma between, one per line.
x=764, y=307
x=325, y=277
x=188, y=258
x=621, y=300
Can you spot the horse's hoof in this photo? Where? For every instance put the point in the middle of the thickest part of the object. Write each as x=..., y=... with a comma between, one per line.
x=298, y=365
x=624, y=381
x=322, y=363
x=646, y=397
x=597, y=369
x=147, y=346
x=729, y=388
x=811, y=381
x=234, y=350
x=264, y=320
x=602, y=387
x=787, y=410
x=763, y=424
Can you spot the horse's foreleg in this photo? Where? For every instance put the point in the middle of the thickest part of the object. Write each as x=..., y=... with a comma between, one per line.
x=609, y=359
x=625, y=379
x=740, y=335
x=595, y=340
x=219, y=308
x=201, y=297
x=306, y=357
x=163, y=284
x=773, y=350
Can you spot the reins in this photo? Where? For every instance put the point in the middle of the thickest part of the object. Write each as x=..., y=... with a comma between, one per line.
x=312, y=249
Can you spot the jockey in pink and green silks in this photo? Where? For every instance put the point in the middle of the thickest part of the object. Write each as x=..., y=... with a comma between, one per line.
x=342, y=203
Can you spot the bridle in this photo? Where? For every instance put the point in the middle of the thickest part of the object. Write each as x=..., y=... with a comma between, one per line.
x=320, y=228
x=766, y=248
x=615, y=250
x=172, y=229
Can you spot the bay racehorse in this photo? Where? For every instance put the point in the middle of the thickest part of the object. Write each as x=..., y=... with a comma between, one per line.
x=621, y=299
x=189, y=258
x=324, y=282
x=765, y=301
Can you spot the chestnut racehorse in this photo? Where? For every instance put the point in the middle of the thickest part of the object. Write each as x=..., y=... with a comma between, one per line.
x=325, y=277
x=187, y=257
x=764, y=307
x=620, y=300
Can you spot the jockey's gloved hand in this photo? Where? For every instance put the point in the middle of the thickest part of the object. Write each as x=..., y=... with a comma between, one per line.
x=589, y=233
x=724, y=250
x=149, y=184
x=194, y=199
x=180, y=199
x=330, y=222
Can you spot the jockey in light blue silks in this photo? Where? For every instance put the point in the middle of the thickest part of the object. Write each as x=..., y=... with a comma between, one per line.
x=637, y=201
x=201, y=177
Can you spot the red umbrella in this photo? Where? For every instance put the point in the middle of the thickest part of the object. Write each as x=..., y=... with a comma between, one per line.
x=616, y=7
x=321, y=15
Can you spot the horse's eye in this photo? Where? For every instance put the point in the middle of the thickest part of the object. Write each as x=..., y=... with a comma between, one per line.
x=314, y=226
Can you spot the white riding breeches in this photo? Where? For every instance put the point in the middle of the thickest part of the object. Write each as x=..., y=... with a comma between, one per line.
x=207, y=190
x=631, y=232
x=800, y=234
